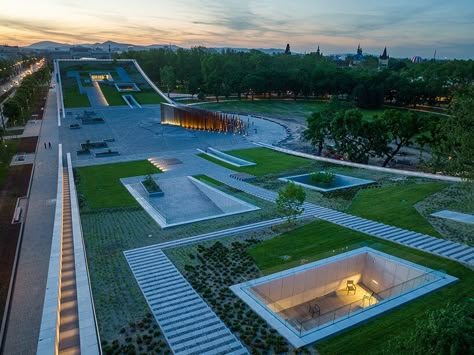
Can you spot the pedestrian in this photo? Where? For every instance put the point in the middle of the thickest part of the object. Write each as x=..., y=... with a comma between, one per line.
x=45, y=145
x=49, y=144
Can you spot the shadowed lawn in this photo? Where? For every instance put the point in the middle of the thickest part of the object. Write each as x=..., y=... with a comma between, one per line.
x=101, y=186
x=114, y=97
x=71, y=95
x=268, y=161
x=394, y=205
x=147, y=97
x=310, y=241
x=277, y=108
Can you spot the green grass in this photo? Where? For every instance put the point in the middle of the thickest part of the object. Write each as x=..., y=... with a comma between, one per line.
x=114, y=97
x=277, y=108
x=71, y=94
x=208, y=179
x=308, y=242
x=268, y=161
x=101, y=187
x=393, y=205
x=148, y=97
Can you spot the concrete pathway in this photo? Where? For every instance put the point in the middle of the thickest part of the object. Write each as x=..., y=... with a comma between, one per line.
x=24, y=319
x=95, y=95
x=455, y=216
x=189, y=325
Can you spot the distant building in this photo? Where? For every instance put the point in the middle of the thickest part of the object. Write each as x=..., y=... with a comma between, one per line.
x=358, y=57
x=79, y=52
x=318, y=52
x=383, y=60
x=287, y=50
x=10, y=52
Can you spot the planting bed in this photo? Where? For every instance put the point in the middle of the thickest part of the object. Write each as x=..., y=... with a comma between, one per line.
x=15, y=185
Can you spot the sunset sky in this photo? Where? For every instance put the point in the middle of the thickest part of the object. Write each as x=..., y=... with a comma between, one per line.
x=407, y=28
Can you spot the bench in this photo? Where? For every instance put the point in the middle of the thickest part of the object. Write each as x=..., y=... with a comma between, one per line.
x=17, y=215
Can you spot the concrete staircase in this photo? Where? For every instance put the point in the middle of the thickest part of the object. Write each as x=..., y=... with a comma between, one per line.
x=189, y=325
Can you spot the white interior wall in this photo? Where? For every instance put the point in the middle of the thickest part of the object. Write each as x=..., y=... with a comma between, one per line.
x=375, y=272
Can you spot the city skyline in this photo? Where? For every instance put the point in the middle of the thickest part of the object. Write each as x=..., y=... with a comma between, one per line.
x=406, y=28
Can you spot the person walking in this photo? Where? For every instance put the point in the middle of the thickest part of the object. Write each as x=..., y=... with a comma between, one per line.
x=45, y=147
x=49, y=144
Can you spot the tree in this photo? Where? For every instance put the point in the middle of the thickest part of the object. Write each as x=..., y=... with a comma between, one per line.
x=402, y=128
x=318, y=130
x=168, y=78
x=458, y=149
x=290, y=201
x=357, y=137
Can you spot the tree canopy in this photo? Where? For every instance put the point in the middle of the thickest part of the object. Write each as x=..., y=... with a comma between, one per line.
x=290, y=201
x=257, y=73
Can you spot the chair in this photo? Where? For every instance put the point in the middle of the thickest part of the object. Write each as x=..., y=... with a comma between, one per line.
x=314, y=310
x=350, y=286
x=368, y=298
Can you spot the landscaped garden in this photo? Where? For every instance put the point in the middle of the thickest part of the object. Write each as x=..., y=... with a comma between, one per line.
x=99, y=186
x=214, y=266
x=114, y=97
x=391, y=200
x=268, y=161
x=120, y=306
x=128, y=71
x=71, y=94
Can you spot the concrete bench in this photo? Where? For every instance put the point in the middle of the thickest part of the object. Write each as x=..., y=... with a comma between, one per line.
x=17, y=214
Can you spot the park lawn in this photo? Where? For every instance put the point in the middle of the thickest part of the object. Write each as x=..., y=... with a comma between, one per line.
x=281, y=108
x=147, y=97
x=101, y=187
x=277, y=108
x=209, y=180
x=113, y=97
x=268, y=161
x=316, y=240
x=394, y=205
x=72, y=96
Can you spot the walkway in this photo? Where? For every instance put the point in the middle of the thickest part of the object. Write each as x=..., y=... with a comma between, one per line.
x=28, y=292
x=188, y=323
x=95, y=95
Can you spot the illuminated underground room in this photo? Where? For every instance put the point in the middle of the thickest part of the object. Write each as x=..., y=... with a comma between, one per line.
x=314, y=301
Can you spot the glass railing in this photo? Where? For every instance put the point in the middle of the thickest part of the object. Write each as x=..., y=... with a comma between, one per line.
x=303, y=326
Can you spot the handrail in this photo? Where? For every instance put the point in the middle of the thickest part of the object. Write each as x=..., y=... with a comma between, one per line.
x=382, y=295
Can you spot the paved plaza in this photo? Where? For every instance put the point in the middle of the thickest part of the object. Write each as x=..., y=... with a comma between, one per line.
x=137, y=133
